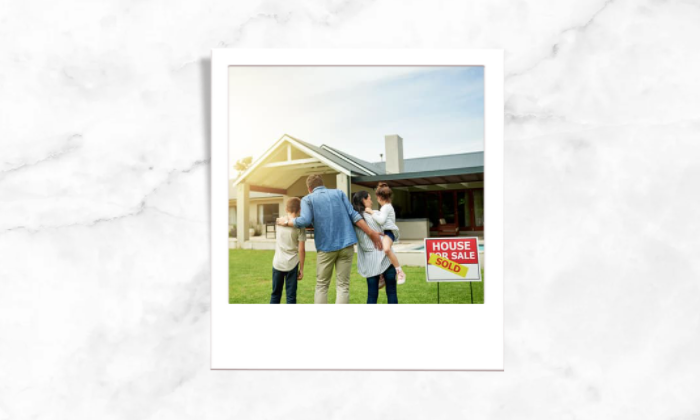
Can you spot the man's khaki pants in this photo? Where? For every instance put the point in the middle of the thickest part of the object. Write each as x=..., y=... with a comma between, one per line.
x=325, y=261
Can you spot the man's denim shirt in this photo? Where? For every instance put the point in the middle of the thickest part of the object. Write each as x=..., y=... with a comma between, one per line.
x=332, y=216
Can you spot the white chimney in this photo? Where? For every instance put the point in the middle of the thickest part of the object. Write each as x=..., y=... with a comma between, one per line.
x=393, y=145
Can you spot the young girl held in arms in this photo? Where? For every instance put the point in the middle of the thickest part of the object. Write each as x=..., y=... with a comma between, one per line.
x=386, y=217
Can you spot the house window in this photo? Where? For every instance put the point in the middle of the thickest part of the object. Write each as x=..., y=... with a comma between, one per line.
x=268, y=213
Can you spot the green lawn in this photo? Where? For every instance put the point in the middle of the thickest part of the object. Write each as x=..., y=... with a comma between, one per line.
x=250, y=281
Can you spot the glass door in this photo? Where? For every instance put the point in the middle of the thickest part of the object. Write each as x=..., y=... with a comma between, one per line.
x=478, y=209
x=464, y=210
x=448, y=205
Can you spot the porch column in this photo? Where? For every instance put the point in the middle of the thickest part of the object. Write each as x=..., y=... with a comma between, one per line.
x=342, y=182
x=242, y=213
x=283, y=205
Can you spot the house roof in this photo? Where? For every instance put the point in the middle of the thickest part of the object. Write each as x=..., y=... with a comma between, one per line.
x=435, y=163
x=414, y=168
x=348, y=162
x=421, y=164
x=357, y=161
x=410, y=179
x=444, y=169
x=319, y=159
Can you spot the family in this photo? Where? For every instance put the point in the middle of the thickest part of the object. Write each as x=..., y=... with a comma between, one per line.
x=338, y=226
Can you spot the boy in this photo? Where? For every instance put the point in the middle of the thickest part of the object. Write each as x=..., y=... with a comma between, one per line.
x=290, y=251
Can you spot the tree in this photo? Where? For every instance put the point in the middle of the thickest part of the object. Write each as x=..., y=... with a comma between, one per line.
x=243, y=164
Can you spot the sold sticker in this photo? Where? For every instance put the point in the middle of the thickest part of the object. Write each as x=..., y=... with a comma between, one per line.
x=445, y=264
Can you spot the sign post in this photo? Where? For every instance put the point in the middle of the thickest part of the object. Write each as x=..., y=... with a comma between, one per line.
x=452, y=259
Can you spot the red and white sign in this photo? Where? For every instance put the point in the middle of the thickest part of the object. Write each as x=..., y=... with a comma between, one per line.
x=452, y=259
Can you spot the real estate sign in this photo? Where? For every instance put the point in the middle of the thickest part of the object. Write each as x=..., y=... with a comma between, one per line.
x=452, y=259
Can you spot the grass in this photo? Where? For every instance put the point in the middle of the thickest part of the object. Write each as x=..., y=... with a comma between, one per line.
x=250, y=281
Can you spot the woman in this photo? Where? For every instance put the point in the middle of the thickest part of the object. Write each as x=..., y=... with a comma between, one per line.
x=371, y=262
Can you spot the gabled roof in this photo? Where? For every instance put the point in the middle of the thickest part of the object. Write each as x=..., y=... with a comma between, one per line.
x=370, y=167
x=348, y=162
x=318, y=153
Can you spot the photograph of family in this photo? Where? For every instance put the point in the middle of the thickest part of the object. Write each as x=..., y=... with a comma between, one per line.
x=337, y=175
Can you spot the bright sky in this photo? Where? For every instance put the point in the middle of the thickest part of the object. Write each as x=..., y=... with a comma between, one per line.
x=436, y=110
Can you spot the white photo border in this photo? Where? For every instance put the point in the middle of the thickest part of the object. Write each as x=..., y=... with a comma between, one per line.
x=358, y=337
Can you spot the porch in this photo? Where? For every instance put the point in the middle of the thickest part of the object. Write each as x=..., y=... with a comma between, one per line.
x=451, y=201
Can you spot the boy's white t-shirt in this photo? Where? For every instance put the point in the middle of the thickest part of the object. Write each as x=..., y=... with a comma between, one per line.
x=287, y=247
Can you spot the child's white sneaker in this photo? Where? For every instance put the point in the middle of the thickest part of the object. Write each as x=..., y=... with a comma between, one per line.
x=400, y=276
x=382, y=283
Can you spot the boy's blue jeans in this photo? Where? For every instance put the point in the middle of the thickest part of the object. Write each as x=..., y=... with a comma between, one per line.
x=389, y=280
x=278, y=280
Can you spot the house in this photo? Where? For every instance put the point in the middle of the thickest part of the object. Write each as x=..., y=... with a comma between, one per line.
x=433, y=196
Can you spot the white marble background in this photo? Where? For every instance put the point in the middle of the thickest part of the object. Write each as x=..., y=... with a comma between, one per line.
x=104, y=209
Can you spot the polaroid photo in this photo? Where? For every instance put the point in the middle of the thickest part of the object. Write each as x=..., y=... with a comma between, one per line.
x=357, y=209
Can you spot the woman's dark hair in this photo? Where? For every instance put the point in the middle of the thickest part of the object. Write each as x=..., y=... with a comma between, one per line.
x=357, y=201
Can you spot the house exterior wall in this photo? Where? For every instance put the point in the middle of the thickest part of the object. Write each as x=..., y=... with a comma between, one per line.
x=342, y=183
x=413, y=229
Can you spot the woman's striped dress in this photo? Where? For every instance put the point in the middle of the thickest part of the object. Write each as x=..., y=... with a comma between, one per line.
x=370, y=261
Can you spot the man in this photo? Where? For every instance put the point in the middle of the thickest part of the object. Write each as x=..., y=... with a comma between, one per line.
x=333, y=218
